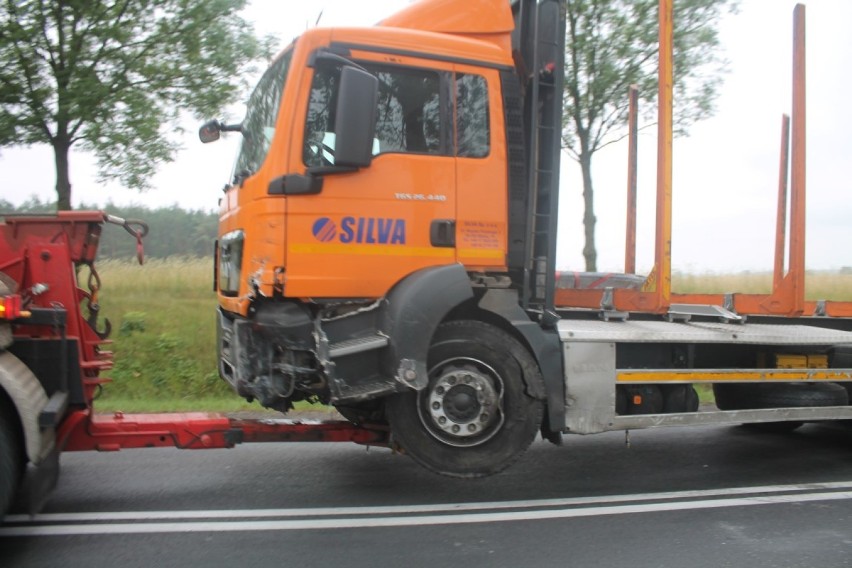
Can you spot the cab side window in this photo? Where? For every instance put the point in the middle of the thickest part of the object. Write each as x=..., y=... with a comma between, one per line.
x=408, y=114
x=472, y=125
x=319, y=125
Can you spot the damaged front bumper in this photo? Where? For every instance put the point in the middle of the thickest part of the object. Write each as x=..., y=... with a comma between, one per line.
x=284, y=353
x=339, y=352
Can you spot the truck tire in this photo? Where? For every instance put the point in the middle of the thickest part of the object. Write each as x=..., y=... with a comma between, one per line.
x=475, y=417
x=11, y=458
x=774, y=427
x=778, y=395
x=679, y=398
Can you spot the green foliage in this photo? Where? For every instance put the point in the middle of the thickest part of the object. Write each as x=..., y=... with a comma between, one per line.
x=110, y=75
x=612, y=44
x=172, y=232
x=30, y=206
x=165, y=348
x=132, y=322
x=113, y=403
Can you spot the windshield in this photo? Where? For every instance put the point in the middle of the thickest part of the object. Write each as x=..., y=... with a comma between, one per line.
x=258, y=128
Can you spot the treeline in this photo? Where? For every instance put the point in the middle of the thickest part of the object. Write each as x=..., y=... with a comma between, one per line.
x=172, y=231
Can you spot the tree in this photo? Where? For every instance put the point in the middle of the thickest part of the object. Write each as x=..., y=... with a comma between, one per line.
x=114, y=77
x=612, y=44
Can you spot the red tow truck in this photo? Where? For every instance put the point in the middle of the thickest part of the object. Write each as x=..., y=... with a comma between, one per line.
x=54, y=356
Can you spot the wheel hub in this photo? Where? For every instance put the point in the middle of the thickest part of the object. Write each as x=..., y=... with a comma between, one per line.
x=462, y=404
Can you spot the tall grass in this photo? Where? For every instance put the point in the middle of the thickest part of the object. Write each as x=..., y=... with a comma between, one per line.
x=164, y=329
x=819, y=285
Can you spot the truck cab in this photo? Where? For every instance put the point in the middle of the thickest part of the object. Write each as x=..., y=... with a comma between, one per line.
x=387, y=247
x=428, y=133
x=380, y=193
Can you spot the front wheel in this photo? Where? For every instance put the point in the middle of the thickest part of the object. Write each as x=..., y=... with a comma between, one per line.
x=476, y=416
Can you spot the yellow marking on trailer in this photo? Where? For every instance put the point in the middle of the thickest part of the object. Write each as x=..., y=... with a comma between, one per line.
x=730, y=375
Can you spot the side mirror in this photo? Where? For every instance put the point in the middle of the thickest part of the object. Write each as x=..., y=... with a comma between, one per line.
x=209, y=131
x=355, y=122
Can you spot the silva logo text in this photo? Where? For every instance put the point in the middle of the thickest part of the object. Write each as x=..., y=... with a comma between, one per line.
x=361, y=230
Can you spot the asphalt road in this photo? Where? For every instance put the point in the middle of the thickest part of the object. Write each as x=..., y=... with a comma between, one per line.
x=688, y=497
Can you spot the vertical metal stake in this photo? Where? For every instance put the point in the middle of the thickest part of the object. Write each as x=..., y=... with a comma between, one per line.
x=632, y=167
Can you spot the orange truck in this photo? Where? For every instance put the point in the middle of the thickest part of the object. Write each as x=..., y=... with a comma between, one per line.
x=387, y=247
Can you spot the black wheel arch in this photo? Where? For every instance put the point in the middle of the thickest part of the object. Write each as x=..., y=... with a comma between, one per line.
x=414, y=309
x=501, y=308
x=422, y=301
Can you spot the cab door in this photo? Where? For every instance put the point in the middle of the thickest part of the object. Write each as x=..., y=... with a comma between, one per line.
x=367, y=229
x=481, y=169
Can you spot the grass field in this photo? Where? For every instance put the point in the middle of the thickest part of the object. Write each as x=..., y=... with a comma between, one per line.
x=822, y=285
x=163, y=316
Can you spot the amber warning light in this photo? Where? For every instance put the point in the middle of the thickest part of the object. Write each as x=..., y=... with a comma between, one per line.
x=10, y=308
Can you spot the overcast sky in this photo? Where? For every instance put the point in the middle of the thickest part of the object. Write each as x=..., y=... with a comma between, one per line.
x=725, y=172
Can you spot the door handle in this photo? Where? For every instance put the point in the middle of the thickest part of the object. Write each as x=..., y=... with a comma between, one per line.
x=442, y=233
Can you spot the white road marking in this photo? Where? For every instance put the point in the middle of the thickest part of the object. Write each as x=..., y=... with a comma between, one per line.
x=414, y=509
x=56, y=524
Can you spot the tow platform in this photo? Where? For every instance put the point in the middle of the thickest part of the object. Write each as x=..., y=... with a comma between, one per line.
x=85, y=431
